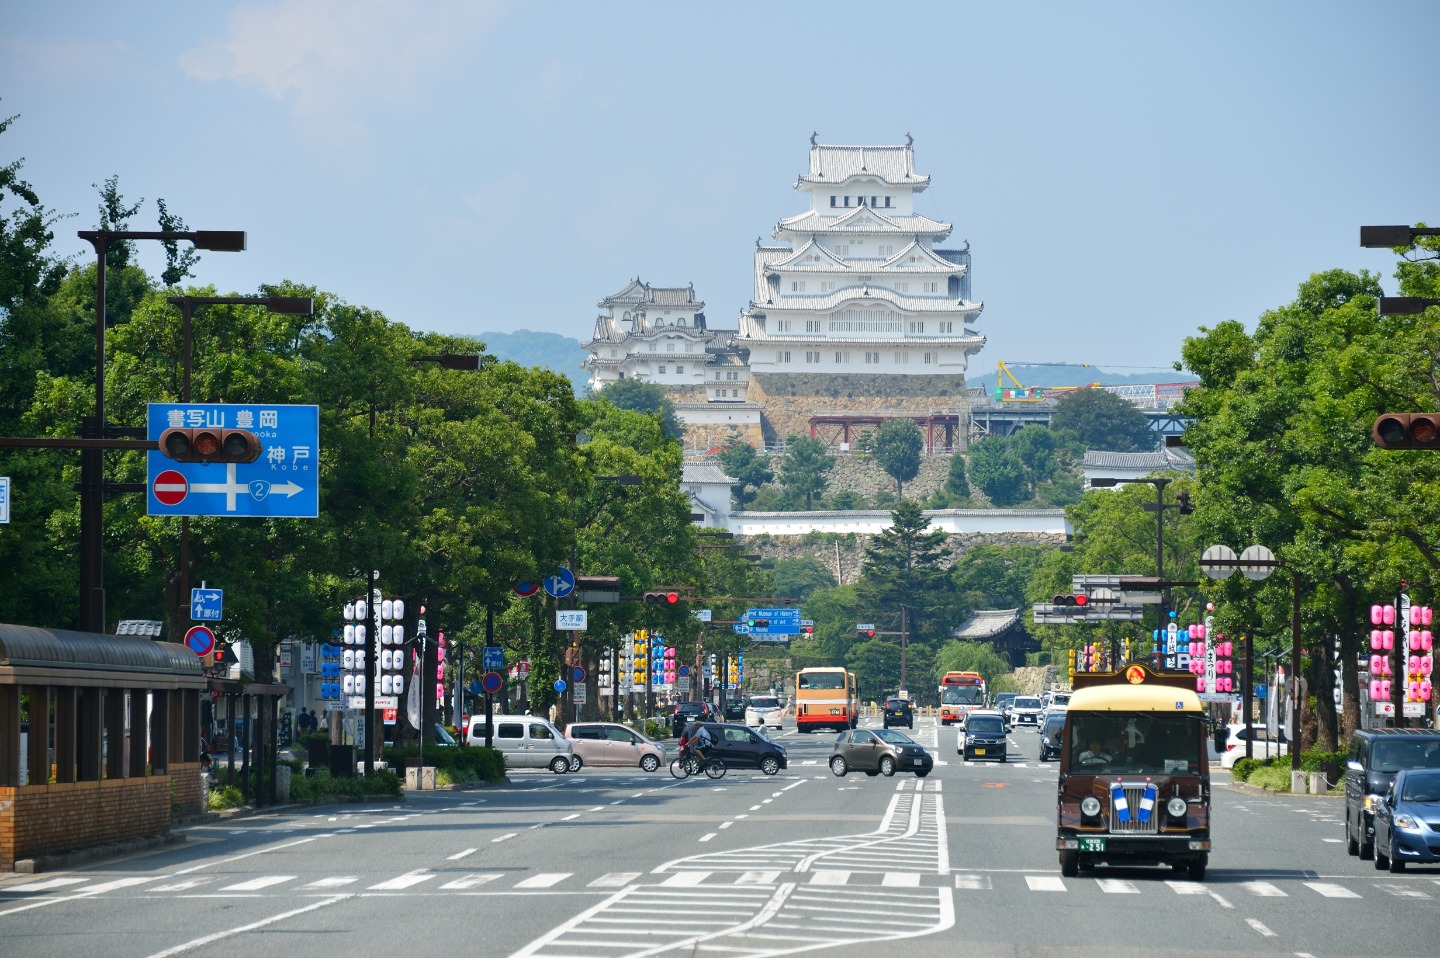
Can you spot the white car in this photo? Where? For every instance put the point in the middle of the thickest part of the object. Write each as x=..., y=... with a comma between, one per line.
x=762, y=710
x=1025, y=710
x=1263, y=747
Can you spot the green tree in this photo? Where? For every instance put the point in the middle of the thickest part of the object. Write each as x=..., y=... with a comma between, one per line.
x=804, y=467
x=1103, y=420
x=640, y=396
x=749, y=471
x=996, y=576
x=956, y=656
x=896, y=447
x=801, y=576
x=957, y=484
x=996, y=472
x=904, y=569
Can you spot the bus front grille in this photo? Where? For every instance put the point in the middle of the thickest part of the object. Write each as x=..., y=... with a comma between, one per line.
x=1134, y=826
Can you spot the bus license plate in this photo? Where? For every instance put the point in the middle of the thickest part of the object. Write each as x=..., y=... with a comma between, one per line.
x=1092, y=844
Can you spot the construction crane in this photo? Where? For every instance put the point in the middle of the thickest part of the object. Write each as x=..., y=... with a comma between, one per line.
x=1023, y=393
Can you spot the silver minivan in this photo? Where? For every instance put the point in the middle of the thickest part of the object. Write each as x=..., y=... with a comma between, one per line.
x=526, y=741
x=763, y=710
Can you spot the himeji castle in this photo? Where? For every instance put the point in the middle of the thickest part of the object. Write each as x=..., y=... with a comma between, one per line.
x=859, y=313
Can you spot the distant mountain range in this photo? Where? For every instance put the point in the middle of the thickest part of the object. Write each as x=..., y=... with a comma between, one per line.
x=564, y=355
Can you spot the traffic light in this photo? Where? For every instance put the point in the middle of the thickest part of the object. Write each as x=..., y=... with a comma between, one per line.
x=807, y=629
x=210, y=445
x=1072, y=665
x=758, y=623
x=1407, y=430
x=1071, y=600
x=869, y=633
x=661, y=598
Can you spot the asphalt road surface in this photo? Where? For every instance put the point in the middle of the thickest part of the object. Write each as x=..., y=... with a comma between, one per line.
x=618, y=862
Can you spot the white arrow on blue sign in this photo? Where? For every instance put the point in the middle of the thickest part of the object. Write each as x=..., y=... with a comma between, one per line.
x=561, y=584
x=207, y=605
x=283, y=483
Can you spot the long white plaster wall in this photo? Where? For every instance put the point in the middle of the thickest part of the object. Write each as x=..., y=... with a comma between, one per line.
x=875, y=521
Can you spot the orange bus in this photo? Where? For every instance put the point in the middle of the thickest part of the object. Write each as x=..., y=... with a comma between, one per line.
x=826, y=698
x=960, y=694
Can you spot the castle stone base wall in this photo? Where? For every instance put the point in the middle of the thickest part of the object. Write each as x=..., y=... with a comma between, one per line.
x=789, y=400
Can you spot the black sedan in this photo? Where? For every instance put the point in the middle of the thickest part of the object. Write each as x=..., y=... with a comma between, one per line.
x=879, y=752
x=899, y=712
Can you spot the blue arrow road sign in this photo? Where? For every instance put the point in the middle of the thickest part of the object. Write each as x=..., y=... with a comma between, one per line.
x=207, y=605
x=782, y=622
x=492, y=657
x=283, y=483
x=560, y=585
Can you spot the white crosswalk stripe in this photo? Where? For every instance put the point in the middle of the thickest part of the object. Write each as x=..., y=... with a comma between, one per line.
x=543, y=880
x=471, y=881
x=403, y=881
x=255, y=884
x=1330, y=890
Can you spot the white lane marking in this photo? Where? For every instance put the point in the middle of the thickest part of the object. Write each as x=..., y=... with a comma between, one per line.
x=200, y=942
x=45, y=885
x=459, y=855
x=255, y=884
x=754, y=808
x=614, y=880
x=544, y=880
x=706, y=838
x=1044, y=883
x=1330, y=890
x=184, y=885
x=973, y=882
x=901, y=880
x=471, y=881
x=503, y=838
x=403, y=881
x=1186, y=887
x=1117, y=886
x=725, y=825
x=942, y=841
x=571, y=817
x=1263, y=889
x=1260, y=927
x=685, y=879
x=1333, y=841
x=829, y=876
x=1403, y=891
x=738, y=817
x=758, y=878
x=1219, y=900
x=335, y=882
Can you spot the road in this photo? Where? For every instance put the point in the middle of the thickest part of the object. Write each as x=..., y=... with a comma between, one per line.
x=617, y=862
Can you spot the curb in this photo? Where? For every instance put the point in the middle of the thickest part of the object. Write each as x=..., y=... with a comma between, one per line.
x=81, y=856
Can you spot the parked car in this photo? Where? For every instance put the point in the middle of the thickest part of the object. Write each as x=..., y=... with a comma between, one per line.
x=1002, y=703
x=1025, y=710
x=899, y=712
x=741, y=747
x=1050, y=736
x=1376, y=756
x=762, y=710
x=1263, y=745
x=687, y=712
x=983, y=737
x=879, y=752
x=735, y=710
x=1406, y=819
x=526, y=741
x=606, y=743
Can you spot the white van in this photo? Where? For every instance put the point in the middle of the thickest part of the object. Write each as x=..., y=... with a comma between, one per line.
x=526, y=741
x=763, y=710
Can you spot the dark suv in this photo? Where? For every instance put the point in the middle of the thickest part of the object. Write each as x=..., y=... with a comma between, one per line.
x=687, y=712
x=1375, y=756
x=899, y=712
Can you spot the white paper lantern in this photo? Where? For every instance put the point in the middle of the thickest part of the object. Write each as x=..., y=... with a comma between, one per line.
x=360, y=609
x=399, y=608
x=387, y=609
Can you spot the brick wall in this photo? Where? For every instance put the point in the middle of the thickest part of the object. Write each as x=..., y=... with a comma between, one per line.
x=38, y=820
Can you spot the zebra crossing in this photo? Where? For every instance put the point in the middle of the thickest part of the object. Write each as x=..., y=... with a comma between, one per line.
x=799, y=873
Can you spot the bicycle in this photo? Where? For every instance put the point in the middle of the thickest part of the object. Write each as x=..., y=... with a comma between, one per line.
x=685, y=766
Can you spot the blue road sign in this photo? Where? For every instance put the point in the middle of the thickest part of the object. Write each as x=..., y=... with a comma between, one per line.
x=492, y=657
x=782, y=622
x=560, y=585
x=475, y=688
x=207, y=605
x=200, y=640
x=492, y=682
x=283, y=483
x=4, y=498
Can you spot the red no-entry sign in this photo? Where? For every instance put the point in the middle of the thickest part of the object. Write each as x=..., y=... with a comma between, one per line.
x=170, y=487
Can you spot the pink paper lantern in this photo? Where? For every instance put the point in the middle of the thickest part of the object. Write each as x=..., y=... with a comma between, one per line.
x=1414, y=664
x=1374, y=690
x=1425, y=691
x=1377, y=662
x=1388, y=613
x=1375, y=638
x=1412, y=692
x=1387, y=640
x=1384, y=688
x=1426, y=613
x=1426, y=640
x=1425, y=665
x=1376, y=615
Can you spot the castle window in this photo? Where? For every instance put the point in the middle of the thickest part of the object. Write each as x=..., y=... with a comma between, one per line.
x=841, y=357
x=679, y=370
x=669, y=347
x=782, y=325
x=782, y=356
x=662, y=370
x=929, y=358
x=887, y=201
x=874, y=201
x=954, y=286
x=847, y=202
x=947, y=328
x=901, y=358
x=813, y=325
x=872, y=359
x=832, y=200
x=903, y=287
x=797, y=286
x=734, y=394
x=859, y=201
x=812, y=357
x=917, y=327
x=717, y=375
x=932, y=287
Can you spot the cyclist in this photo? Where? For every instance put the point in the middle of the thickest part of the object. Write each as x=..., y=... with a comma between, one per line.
x=694, y=741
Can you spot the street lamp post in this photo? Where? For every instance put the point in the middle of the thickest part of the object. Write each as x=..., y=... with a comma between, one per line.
x=92, y=459
x=294, y=305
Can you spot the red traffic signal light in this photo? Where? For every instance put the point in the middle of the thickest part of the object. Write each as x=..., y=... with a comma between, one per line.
x=807, y=629
x=1407, y=430
x=1071, y=600
x=210, y=445
x=661, y=598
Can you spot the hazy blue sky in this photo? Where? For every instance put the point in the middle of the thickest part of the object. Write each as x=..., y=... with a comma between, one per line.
x=1124, y=172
